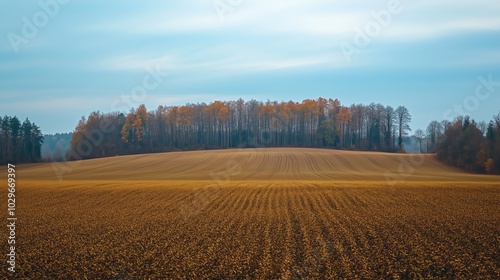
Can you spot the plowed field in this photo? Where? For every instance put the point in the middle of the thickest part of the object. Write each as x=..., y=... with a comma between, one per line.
x=257, y=164
x=256, y=214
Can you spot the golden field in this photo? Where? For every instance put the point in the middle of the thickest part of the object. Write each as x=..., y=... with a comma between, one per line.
x=296, y=164
x=256, y=214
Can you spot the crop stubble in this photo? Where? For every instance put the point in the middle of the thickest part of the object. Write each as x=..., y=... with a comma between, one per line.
x=280, y=230
x=286, y=214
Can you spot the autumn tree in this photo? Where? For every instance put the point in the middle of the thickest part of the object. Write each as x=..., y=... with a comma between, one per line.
x=343, y=119
x=492, y=164
x=224, y=124
x=464, y=145
x=135, y=127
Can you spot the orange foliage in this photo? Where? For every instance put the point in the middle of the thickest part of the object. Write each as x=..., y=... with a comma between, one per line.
x=344, y=116
x=488, y=166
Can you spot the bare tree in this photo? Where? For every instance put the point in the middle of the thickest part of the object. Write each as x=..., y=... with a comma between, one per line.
x=389, y=118
x=435, y=131
x=225, y=124
x=403, y=119
x=419, y=134
x=483, y=126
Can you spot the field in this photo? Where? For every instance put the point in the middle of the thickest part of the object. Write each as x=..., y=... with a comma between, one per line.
x=257, y=214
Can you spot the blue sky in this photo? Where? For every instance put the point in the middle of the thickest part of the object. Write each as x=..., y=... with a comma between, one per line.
x=85, y=55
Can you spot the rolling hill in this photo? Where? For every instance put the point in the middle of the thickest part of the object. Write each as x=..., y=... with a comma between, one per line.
x=281, y=213
x=296, y=164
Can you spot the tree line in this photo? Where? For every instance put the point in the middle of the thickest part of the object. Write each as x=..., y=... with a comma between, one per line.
x=467, y=144
x=19, y=142
x=229, y=124
x=464, y=143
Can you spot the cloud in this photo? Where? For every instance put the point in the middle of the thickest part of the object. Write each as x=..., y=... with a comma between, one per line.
x=263, y=35
x=138, y=61
x=99, y=49
x=405, y=30
x=46, y=104
x=313, y=17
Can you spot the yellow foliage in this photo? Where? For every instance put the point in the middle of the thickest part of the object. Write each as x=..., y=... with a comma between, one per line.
x=488, y=166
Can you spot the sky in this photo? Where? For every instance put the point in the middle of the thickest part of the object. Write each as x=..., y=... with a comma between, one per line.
x=62, y=59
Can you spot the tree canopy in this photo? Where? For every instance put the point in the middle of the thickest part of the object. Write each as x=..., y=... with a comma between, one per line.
x=464, y=145
x=228, y=124
x=19, y=142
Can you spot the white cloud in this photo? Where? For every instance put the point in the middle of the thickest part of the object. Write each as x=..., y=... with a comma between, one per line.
x=405, y=30
x=313, y=17
x=209, y=61
x=137, y=62
x=283, y=33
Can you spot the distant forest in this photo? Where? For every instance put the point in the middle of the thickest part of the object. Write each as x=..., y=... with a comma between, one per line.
x=19, y=142
x=464, y=144
x=322, y=123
